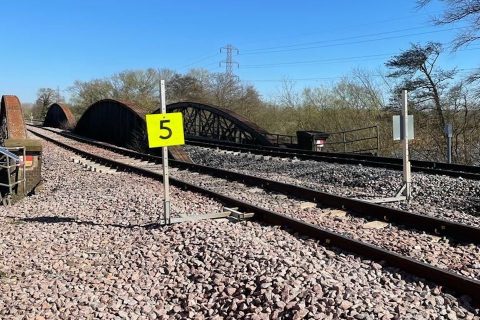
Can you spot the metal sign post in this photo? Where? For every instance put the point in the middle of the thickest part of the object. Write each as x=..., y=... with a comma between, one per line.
x=163, y=130
x=166, y=182
x=402, y=130
x=407, y=176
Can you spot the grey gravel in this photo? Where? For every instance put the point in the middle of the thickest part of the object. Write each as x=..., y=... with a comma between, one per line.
x=441, y=252
x=457, y=257
x=208, y=269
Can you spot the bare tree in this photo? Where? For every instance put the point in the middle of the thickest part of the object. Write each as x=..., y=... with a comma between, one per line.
x=462, y=11
x=85, y=93
x=45, y=97
x=464, y=115
x=165, y=74
x=457, y=11
x=371, y=88
x=289, y=97
x=138, y=86
x=184, y=88
x=224, y=89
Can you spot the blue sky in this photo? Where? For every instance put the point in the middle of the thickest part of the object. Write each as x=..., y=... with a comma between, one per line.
x=52, y=43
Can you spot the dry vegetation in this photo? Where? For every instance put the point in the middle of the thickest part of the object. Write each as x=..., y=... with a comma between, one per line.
x=359, y=100
x=437, y=97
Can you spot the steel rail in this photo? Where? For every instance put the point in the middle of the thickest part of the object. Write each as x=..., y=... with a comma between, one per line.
x=437, y=168
x=453, y=281
x=437, y=226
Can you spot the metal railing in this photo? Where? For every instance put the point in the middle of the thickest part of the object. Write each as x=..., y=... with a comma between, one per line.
x=9, y=161
x=347, y=145
x=279, y=139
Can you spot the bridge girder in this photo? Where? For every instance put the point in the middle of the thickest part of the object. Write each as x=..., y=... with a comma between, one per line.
x=123, y=124
x=207, y=122
x=59, y=116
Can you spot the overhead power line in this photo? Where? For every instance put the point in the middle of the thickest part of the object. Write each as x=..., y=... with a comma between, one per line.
x=200, y=60
x=337, y=39
x=462, y=70
x=297, y=79
x=229, y=66
x=353, y=42
x=332, y=60
x=350, y=27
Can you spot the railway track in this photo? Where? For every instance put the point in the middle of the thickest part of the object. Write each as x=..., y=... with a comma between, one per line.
x=437, y=226
x=432, y=195
x=435, y=168
x=456, y=231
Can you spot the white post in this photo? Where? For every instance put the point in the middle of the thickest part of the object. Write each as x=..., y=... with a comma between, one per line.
x=166, y=183
x=449, y=133
x=407, y=178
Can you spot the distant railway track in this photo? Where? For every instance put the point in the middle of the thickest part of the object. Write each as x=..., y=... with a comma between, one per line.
x=451, y=229
x=435, y=168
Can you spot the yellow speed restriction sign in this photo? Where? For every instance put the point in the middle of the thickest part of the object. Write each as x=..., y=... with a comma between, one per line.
x=165, y=129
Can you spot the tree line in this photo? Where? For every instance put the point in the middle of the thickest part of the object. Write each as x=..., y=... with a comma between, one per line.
x=437, y=96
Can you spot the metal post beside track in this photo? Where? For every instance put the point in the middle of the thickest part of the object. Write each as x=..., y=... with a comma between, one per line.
x=402, y=130
x=407, y=175
x=404, y=136
x=166, y=182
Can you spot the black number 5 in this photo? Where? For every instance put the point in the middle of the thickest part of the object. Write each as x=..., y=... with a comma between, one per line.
x=163, y=127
